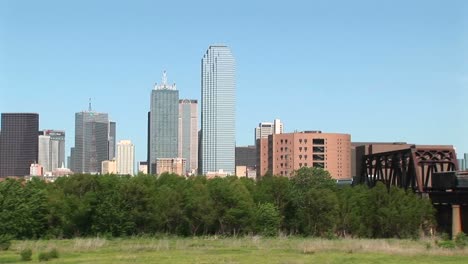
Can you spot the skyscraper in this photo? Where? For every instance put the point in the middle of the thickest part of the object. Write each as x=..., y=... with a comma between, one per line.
x=218, y=110
x=112, y=140
x=91, y=141
x=18, y=143
x=188, y=134
x=125, y=158
x=44, y=153
x=51, y=149
x=265, y=129
x=163, y=123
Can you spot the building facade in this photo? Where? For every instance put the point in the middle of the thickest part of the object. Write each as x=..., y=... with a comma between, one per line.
x=44, y=154
x=143, y=167
x=246, y=156
x=218, y=111
x=286, y=153
x=18, y=143
x=188, y=134
x=125, y=158
x=36, y=170
x=176, y=166
x=163, y=123
x=109, y=167
x=265, y=129
x=51, y=149
x=112, y=139
x=91, y=142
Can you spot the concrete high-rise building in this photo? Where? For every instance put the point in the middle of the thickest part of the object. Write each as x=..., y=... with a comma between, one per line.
x=125, y=158
x=163, y=123
x=109, y=167
x=51, y=149
x=218, y=110
x=18, y=143
x=265, y=129
x=188, y=134
x=91, y=141
x=466, y=162
x=112, y=139
x=44, y=153
x=282, y=154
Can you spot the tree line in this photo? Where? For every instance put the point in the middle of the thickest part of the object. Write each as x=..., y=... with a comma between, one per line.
x=309, y=203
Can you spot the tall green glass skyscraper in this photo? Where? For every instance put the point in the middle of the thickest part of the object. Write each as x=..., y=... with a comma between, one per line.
x=163, y=123
x=218, y=111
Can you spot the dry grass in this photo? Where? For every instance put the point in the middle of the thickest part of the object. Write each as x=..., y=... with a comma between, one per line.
x=385, y=246
x=88, y=244
x=293, y=250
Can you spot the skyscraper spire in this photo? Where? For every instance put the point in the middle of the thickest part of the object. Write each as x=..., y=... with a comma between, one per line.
x=89, y=107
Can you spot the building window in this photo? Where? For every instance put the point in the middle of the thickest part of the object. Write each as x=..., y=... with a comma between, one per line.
x=300, y=165
x=300, y=140
x=305, y=141
x=318, y=165
x=305, y=156
x=305, y=164
x=300, y=156
x=305, y=149
x=318, y=157
x=318, y=149
x=318, y=141
x=300, y=148
x=281, y=141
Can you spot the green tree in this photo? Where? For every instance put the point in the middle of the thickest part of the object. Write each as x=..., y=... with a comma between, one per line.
x=267, y=219
x=199, y=214
x=232, y=204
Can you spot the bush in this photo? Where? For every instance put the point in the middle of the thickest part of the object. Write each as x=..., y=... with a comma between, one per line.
x=54, y=253
x=26, y=254
x=5, y=242
x=461, y=240
x=446, y=244
x=44, y=256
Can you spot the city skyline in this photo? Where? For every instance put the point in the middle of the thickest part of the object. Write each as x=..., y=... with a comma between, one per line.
x=379, y=70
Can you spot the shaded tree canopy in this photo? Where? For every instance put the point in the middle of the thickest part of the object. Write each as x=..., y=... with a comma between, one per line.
x=309, y=203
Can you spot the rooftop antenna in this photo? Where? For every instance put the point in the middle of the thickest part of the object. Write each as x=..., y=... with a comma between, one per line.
x=89, y=107
x=164, y=78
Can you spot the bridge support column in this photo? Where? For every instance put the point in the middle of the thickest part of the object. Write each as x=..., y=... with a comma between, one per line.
x=456, y=220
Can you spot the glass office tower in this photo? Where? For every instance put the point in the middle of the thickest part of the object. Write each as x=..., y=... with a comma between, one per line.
x=218, y=111
x=163, y=123
x=91, y=141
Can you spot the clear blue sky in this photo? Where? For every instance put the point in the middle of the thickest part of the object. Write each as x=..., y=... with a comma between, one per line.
x=379, y=70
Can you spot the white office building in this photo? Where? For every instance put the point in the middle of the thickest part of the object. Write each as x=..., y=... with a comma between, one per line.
x=125, y=160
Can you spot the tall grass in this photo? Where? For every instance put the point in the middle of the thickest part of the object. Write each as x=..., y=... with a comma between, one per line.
x=293, y=244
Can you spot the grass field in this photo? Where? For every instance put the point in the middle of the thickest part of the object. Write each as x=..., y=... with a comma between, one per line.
x=238, y=250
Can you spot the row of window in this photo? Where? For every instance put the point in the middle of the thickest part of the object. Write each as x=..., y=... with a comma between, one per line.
x=315, y=141
x=314, y=149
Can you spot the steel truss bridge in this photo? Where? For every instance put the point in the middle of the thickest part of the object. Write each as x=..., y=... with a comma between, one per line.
x=428, y=170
